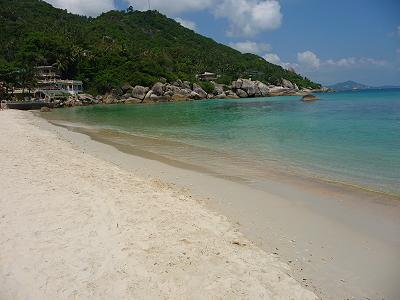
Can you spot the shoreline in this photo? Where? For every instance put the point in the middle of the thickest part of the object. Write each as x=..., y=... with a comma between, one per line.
x=353, y=252
x=278, y=171
x=351, y=216
x=82, y=227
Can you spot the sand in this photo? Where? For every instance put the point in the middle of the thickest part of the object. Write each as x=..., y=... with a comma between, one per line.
x=341, y=242
x=74, y=226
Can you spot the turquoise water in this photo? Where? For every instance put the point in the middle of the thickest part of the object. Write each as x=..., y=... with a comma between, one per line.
x=352, y=137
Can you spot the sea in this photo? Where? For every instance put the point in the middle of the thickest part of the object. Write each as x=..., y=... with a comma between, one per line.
x=350, y=138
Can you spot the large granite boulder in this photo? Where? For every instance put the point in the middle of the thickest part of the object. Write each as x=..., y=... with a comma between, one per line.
x=250, y=87
x=148, y=95
x=158, y=89
x=288, y=84
x=169, y=88
x=198, y=90
x=218, y=88
x=126, y=88
x=237, y=84
x=263, y=88
x=139, y=92
x=241, y=93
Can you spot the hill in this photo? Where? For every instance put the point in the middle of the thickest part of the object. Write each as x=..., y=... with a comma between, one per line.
x=120, y=47
x=348, y=85
x=352, y=85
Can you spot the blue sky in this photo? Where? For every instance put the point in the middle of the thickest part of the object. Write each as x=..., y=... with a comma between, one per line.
x=328, y=41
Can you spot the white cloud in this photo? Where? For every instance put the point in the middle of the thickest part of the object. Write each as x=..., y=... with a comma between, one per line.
x=245, y=17
x=86, y=7
x=274, y=58
x=308, y=59
x=251, y=47
x=398, y=31
x=343, y=62
x=171, y=7
x=249, y=17
x=355, y=62
x=186, y=23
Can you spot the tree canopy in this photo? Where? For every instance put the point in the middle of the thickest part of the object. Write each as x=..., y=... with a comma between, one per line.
x=120, y=47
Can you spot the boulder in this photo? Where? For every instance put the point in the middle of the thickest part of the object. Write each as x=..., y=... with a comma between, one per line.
x=173, y=88
x=126, y=96
x=148, y=95
x=241, y=93
x=178, y=83
x=126, y=88
x=222, y=96
x=195, y=96
x=45, y=109
x=309, y=97
x=198, y=89
x=109, y=99
x=156, y=98
x=263, y=88
x=249, y=87
x=139, y=92
x=187, y=85
x=237, y=84
x=287, y=84
x=158, y=89
x=118, y=92
x=231, y=95
x=218, y=88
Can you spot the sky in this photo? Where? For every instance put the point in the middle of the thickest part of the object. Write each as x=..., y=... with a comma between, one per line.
x=328, y=41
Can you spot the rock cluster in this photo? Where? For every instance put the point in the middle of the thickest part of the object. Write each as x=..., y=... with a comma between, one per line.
x=76, y=100
x=185, y=90
x=179, y=90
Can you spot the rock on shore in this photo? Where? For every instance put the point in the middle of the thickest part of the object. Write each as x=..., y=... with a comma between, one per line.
x=179, y=90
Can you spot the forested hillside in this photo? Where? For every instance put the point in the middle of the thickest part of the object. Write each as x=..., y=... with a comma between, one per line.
x=119, y=47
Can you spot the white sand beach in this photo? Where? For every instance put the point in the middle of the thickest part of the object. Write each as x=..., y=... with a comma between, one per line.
x=74, y=226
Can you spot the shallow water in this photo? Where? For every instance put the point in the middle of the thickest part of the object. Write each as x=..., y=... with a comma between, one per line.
x=351, y=137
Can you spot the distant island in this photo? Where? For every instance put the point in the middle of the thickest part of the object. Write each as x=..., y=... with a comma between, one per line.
x=352, y=85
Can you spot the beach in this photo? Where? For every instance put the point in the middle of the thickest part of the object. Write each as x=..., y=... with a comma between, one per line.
x=88, y=219
x=74, y=226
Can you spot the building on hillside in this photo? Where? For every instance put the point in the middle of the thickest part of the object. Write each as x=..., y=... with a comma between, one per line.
x=207, y=76
x=51, y=95
x=49, y=79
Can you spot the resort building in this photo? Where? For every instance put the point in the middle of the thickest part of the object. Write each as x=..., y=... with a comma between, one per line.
x=207, y=76
x=49, y=79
